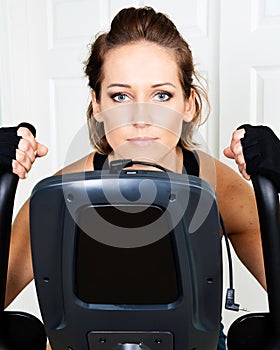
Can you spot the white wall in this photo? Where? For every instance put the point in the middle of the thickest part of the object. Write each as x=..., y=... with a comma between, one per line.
x=44, y=42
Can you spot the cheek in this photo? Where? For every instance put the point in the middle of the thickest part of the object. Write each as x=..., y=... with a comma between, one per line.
x=170, y=122
x=115, y=136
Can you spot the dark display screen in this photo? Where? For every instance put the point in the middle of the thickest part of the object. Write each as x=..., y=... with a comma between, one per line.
x=114, y=275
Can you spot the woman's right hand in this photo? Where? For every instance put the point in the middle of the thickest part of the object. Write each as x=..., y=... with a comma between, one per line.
x=26, y=153
x=19, y=150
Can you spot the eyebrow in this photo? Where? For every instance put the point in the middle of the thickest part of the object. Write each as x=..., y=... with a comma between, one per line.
x=162, y=84
x=128, y=86
x=118, y=85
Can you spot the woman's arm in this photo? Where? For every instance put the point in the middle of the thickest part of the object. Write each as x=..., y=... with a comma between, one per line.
x=20, y=271
x=238, y=208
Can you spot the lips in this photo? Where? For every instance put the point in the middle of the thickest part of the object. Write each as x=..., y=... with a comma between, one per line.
x=142, y=141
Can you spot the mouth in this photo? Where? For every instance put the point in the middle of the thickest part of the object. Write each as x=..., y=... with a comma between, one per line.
x=142, y=141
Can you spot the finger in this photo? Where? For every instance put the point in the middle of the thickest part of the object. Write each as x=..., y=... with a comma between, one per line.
x=26, y=134
x=23, y=159
x=238, y=152
x=19, y=170
x=238, y=135
x=235, y=144
x=41, y=150
x=28, y=149
x=228, y=153
x=27, y=144
x=235, y=151
x=240, y=161
x=244, y=173
x=238, y=149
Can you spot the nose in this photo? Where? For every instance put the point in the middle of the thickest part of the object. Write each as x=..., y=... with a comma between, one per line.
x=141, y=115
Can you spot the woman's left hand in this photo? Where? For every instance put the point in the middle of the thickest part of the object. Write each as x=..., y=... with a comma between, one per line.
x=235, y=151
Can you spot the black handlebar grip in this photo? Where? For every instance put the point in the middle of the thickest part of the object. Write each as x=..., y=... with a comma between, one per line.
x=8, y=186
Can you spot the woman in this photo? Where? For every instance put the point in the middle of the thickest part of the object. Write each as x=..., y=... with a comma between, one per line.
x=146, y=106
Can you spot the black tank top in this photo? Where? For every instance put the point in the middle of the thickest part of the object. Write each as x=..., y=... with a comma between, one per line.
x=190, y=161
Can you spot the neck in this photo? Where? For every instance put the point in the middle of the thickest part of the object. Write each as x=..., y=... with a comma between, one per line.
x=171, y=160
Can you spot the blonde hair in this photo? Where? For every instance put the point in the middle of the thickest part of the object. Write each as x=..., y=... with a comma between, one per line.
x=131, y=25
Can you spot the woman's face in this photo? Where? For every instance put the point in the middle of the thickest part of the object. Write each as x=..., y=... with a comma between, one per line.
x=142, y=103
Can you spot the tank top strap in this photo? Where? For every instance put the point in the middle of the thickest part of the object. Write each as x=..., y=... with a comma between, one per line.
x=100, y=162
x=191, y=162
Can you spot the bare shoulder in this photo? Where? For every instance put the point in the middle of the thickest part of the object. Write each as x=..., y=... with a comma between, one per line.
x=235, y=196
x=221, y=176
x=83, y=164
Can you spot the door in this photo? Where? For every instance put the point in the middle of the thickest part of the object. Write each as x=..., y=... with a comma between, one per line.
x=249, y=65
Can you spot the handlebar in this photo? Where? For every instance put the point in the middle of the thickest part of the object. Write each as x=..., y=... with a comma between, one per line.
x=8, y=186
x=269, y=217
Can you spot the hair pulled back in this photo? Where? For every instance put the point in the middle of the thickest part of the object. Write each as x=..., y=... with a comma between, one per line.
x=132, y=25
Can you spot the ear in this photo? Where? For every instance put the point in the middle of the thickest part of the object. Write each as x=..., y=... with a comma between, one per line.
x=190, y=107
x=96, y=108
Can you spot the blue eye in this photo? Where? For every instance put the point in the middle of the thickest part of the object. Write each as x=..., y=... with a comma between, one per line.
x=120, y=97
x=163, y=96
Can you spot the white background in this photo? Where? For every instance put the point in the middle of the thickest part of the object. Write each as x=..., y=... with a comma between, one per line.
x=43, y=44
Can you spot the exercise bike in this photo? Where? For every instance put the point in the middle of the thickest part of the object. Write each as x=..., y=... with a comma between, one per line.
x=174, y=305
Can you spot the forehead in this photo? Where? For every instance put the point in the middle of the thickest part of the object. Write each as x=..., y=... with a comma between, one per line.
x=140, y=60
